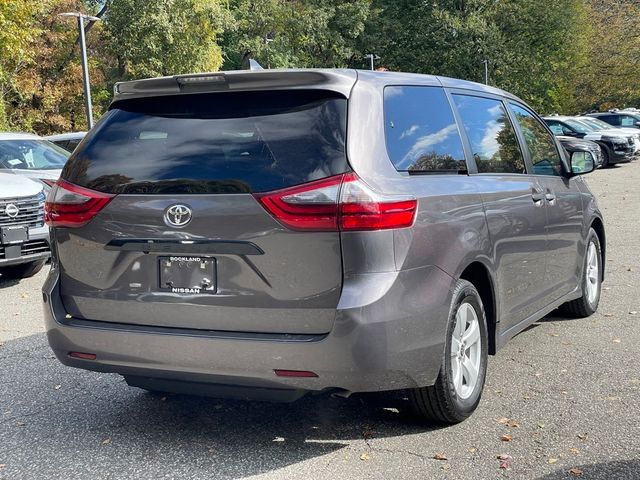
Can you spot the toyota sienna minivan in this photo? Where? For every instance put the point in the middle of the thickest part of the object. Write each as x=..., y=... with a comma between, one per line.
x=266, y=234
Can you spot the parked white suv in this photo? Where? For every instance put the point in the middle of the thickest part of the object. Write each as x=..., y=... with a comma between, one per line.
x=24, y=239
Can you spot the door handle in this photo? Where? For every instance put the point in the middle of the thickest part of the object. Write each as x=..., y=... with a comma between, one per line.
x=537, y=196
x=550, y=197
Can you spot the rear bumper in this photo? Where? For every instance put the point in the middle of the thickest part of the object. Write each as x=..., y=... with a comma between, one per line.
x=384, y=338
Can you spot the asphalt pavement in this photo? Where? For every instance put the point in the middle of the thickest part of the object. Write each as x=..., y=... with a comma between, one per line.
x=561, y=401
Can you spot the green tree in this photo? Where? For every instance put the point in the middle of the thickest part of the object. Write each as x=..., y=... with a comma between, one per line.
x=541, y=50
x=608, y=74
x=42, y=82
x=295, y=33
x=18, y=30
x=532, y=47
x=154, y=38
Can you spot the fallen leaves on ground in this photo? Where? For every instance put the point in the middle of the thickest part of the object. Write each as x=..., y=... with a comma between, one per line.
x=552, y=460
x=106, y=441
x=583, y=436
x=472, y=450
x=364, y=456
x=506, y=438
x=510, y=422
x=575, y=451
x=440, y=456
x=446, y=466
x=575, y=471
x=616, y=340
x=505, y=460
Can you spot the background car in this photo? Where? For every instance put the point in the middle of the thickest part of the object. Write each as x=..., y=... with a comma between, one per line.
x=24, y=239
x=600, y=125
x=571, y=145
x=619, y=118
x=616, y=147
x=68, y=141
x=31, y=156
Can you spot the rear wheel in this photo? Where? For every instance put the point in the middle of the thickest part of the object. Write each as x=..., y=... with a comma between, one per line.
x=588, y=303
x=457, y=390
x=24, y=270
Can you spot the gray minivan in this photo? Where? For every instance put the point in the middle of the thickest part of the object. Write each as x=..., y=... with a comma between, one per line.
x=268, y=234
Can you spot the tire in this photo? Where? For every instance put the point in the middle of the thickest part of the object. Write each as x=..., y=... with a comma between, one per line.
x=591, y=282
x=606, y=155
x=444, y=402
x=24, y=270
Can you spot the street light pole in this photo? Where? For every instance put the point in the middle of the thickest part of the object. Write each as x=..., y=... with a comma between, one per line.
x=372, y=57
x=486, y=71
x=85, y=67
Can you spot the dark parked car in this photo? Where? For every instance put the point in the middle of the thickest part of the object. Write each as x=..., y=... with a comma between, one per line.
x=571, y=145
x=616, y=147
x=619, y=118
x=222, y=234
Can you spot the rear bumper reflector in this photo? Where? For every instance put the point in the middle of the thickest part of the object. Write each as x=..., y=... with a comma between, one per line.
x=83, y=356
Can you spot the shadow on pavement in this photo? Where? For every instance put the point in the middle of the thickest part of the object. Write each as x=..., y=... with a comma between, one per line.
x=80, y=420
x=6, y=282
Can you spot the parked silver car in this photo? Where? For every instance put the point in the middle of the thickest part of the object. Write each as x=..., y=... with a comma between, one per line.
x=268, y=234
x=32, y=156
x=68, y=141
x=24, y=239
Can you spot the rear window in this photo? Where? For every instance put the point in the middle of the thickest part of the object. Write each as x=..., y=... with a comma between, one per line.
x=214, y=143
x=420, y=130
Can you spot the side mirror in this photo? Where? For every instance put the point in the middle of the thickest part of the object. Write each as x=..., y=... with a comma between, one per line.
x=637, y=124
x=582, y=162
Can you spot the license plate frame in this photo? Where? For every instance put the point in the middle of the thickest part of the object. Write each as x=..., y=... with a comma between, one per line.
x=191, y=275
x=14, y=234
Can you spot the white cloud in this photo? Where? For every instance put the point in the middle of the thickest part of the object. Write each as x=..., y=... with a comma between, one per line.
x=425, y=143
x=409, y=131
x=489, y=142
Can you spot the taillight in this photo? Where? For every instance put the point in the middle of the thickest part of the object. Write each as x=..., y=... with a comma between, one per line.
x=342, y=202
x=69, y=205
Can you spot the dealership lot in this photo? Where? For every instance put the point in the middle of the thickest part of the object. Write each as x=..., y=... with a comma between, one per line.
x=561, y=401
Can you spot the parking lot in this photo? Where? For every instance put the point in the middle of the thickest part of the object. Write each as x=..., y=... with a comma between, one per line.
x=561, y=401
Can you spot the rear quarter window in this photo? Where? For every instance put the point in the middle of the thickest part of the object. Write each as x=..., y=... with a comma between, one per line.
x=238, y=142
x=420, y=130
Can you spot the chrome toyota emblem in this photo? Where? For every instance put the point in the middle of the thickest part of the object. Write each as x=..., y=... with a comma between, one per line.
x=11, y=210
x=177, y=215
